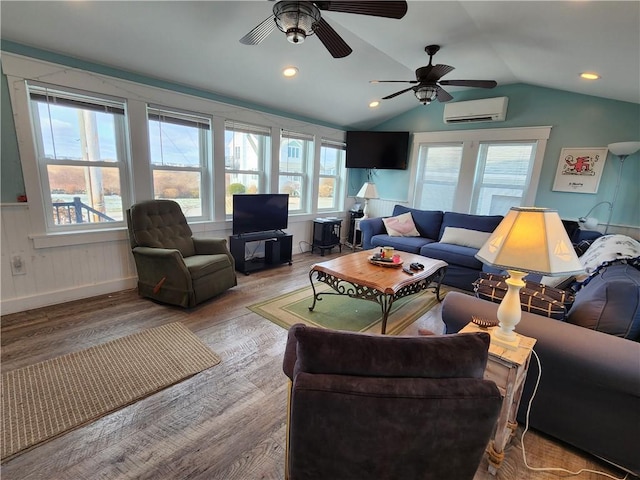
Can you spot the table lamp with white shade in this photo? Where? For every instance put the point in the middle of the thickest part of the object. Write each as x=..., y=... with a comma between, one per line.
x=528, y=240
x=367, y=191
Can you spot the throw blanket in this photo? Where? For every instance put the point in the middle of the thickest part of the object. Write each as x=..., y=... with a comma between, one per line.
x=609, y=250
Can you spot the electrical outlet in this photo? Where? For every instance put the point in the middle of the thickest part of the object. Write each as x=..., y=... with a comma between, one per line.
x=17, y=265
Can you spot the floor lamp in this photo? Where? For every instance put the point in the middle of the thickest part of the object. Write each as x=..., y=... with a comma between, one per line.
x=622, y=150
x=528, y=240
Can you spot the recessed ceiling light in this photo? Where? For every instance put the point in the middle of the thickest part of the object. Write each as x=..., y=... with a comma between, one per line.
x=590, y=76
x=290, y=72
x=374, y=104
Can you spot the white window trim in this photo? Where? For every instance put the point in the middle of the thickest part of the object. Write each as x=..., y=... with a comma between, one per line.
x=470, y=140
x=19, y=69
x=205, y=168
x=338, y=180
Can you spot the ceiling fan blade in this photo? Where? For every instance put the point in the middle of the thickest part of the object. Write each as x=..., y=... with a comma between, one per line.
x=397, y=93
x=393, y=81
x=337, y=47
x=442, y=95
x=470, y=83
x=376, y=9
x=437, y=72
x=259, y=33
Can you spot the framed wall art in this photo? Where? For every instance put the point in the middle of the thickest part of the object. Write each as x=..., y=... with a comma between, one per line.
x=579, y=169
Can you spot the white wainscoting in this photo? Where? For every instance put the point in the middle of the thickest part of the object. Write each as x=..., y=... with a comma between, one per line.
x=58, y=274
x=383, y=208
x=64, y=273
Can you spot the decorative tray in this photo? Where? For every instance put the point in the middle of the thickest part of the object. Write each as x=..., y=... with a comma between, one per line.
x=381, y=263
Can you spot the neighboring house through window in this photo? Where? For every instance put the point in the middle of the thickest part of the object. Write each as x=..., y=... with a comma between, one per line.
x=247, y=153
x=296, y=157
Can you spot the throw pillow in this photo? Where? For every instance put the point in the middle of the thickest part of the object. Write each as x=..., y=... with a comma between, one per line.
x=401, y=226
x=610, y=303
x=464, y=237
x=534, y=297
x=565, y=297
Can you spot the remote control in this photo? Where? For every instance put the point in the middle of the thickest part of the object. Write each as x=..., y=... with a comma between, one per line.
x=406, y=270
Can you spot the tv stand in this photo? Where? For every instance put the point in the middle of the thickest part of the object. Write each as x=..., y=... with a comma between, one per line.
x=277, y=250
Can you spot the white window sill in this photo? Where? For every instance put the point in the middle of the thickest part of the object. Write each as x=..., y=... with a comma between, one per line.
x=78, y=238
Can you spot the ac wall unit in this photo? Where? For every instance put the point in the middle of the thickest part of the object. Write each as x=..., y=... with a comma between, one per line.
x=485, y=110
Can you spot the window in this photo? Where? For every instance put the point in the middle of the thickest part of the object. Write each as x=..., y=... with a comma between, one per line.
x=293, y=169
x=247, y=152
x=80, y=145
x=179, y=146
x=332, y=157
x=478, y=171
x=502, y=174
x=439, y=168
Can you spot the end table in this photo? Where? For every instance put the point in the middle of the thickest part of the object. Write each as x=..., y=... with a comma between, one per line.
x=508, y=369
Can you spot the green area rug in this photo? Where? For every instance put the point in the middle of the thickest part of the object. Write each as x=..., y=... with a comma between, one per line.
x=340, y=312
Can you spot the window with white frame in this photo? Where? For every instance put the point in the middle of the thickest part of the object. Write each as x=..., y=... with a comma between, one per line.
x=437, y=180
x=478, y=171
x=80, y=146
x=502, y=175
x=332, y=156
x=179, y=147
x=247, y=152
x=296, y=157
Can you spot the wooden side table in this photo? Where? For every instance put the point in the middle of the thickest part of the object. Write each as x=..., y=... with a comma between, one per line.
x=508, y=369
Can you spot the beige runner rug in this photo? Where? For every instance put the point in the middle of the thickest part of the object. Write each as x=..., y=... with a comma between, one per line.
x=42, y=401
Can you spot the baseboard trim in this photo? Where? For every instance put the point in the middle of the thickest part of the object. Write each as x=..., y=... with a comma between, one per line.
x=22, y=304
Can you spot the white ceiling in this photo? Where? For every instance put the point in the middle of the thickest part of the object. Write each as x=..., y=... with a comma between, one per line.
x=197, y=44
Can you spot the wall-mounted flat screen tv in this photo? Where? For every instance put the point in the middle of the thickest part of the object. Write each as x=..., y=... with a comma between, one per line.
x=384, y=150
x=267, y=212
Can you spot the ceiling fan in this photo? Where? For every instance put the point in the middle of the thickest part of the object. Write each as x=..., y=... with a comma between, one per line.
x=298, y=20
x=428, y=81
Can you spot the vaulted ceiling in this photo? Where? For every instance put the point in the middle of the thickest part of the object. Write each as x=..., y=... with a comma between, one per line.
x=546, y=43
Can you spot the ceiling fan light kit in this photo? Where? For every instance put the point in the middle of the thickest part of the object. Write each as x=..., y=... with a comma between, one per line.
x=426, y=95
x=298, y=20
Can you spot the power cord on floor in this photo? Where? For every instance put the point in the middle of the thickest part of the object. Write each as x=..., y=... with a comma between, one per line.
x=526, y=428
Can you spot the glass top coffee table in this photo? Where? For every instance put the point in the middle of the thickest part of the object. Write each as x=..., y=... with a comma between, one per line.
x=353, y=275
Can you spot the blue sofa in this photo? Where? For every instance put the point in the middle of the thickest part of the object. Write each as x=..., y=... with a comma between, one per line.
x=463, y=268
x=589, y=390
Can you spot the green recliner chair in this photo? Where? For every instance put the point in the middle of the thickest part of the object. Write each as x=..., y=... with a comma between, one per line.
x=173, y=267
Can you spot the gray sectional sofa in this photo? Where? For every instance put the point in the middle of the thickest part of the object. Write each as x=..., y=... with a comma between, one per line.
x=463, y=267
x=589, y=391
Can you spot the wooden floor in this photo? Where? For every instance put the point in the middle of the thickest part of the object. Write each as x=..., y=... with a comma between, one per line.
x=225, y=423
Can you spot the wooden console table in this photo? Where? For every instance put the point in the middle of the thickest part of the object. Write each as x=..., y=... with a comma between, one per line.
x=508, y=369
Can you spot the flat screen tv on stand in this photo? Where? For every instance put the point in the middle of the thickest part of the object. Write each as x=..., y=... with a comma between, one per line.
x=257, y=213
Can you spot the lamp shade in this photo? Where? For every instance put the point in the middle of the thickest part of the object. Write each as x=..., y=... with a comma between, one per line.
x=534, y=240
x=624, y=148
x=368, y=190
